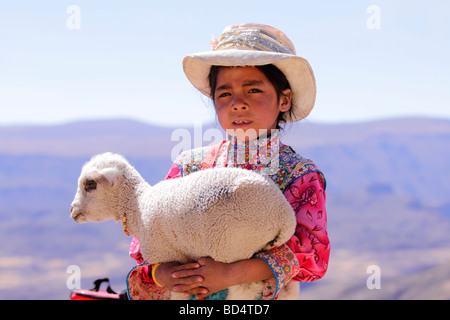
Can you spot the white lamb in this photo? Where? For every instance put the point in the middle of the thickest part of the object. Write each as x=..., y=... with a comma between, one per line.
x=227, y=214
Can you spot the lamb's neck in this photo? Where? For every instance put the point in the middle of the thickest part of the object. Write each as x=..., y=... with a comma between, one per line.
x=130, y=207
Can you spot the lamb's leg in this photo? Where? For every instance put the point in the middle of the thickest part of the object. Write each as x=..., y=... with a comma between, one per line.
x=249, y=291
x=178, y=296
x=290, y=292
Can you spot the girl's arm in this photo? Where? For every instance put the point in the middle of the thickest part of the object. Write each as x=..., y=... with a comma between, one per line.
x=310, y=243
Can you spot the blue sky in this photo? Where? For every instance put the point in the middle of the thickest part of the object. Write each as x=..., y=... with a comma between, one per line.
x=125, y=60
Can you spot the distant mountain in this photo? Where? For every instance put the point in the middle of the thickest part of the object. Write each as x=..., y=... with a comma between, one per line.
x=386, y=153
x=406, y=156
x=428, y=284
x=387, y=198
x=86, y=138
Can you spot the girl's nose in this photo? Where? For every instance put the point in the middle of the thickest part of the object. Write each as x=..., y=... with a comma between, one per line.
x=239, y=107
x=239, y=104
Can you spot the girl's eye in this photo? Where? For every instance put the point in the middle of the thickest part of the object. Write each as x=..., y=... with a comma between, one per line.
x=225, y=94
x=254, y=90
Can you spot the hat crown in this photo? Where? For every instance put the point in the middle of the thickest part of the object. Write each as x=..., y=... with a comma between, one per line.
x=252, y=36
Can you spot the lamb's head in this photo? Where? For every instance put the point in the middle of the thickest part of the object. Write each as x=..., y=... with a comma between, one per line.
x=99, y=185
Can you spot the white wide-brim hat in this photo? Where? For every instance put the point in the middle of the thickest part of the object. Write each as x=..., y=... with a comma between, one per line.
x=251, y=44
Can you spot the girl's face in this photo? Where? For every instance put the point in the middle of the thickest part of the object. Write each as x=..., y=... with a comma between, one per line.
x=245, y=99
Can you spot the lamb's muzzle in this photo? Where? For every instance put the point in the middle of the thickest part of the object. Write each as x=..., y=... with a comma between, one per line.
x=75, y=214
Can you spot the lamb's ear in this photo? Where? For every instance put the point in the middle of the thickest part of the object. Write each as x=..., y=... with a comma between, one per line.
x=107, y=176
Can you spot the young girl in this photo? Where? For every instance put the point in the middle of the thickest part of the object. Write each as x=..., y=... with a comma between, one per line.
x=256, y=82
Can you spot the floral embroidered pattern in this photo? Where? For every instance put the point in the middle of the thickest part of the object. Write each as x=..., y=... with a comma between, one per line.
x=140, y=286
x=311, y=245
x=309, y=196
x=283, y=263
x=290, y=165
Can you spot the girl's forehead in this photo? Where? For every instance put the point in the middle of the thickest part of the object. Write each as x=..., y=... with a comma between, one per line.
x=241, y=74
x=239, y=69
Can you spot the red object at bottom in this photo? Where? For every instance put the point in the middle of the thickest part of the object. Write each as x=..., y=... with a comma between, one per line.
x=95, y=293
x=82, y=294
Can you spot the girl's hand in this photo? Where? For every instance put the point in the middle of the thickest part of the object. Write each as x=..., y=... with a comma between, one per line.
x=208, y=276
x=215, y=276
x=218, y=276
x=186, y=280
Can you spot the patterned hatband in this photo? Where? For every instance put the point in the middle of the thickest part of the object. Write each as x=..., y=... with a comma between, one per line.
x=253, y=39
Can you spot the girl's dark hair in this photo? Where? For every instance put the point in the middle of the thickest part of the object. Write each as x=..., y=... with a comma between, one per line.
x=273, y=74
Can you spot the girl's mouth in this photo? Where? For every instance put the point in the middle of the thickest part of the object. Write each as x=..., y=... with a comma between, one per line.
x=240, y=122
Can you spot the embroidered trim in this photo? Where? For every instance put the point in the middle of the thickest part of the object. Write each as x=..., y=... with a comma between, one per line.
x=283, y=264
x=141, y=289
x=291, y=165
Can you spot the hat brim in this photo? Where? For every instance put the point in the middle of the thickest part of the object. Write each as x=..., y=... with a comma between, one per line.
x=296, y=69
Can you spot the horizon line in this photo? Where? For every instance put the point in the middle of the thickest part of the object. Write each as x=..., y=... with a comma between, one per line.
x=212, y=123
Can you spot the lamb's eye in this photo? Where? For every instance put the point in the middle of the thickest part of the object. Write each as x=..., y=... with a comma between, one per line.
x=90, y=185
